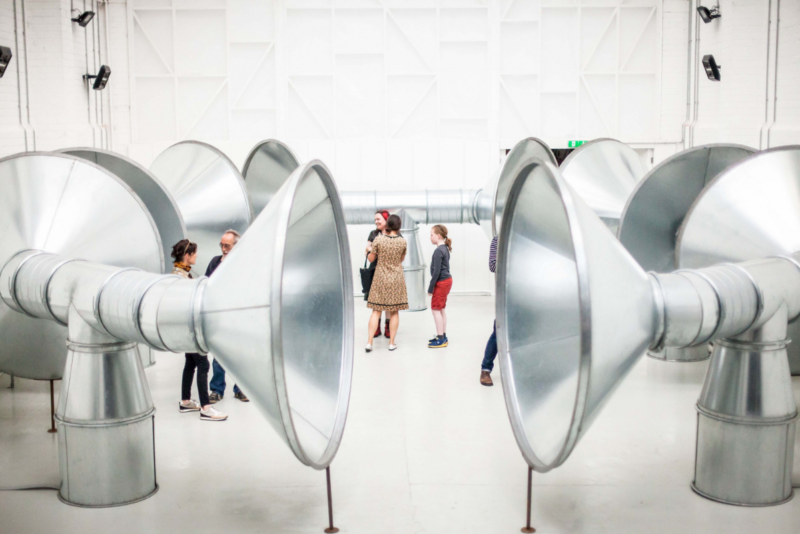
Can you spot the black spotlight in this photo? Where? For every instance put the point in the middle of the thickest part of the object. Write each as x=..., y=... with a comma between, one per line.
x=100, y=79
x=709, y=14
x=84, y=18
x=5, y=59
x=712, y=69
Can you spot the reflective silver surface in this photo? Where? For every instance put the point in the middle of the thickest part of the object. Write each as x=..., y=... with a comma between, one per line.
x=210, y=193
x=574, y=313
x=155, y=196
x=414, y=268
x=426, y=206
x=496, y=190
x=750, y=211
x=291, y=269
x=66, y=205
x=604, y=172
x=266, y=169
x=656, y=209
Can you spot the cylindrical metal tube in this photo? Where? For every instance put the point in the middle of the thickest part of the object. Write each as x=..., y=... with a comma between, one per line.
x=455, y=206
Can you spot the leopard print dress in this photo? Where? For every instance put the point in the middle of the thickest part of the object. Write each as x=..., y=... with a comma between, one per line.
x=388, y=290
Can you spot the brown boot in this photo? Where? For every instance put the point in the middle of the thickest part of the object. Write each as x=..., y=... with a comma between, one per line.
x=486, y=379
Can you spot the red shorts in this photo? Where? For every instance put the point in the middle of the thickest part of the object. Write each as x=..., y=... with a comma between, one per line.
x=440, y=292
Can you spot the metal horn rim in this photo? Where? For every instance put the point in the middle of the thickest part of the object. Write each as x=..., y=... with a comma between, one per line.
x=576, y=152
x=584, y=308
x=258, y=145
x=670, y=160
x=519, y=146
x=276, y=298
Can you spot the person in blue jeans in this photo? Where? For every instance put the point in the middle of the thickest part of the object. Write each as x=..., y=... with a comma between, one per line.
x=217, y=384
x=491, y=346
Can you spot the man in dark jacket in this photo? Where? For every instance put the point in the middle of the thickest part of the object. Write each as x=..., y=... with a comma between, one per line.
x=217, y=384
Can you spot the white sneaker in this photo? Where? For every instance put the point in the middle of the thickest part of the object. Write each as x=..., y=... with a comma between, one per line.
x=369, y=348
x=192, y=406
x=392, y=347
x=212, y=414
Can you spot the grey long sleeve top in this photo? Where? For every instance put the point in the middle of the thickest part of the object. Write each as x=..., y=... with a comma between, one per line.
x=440, y=266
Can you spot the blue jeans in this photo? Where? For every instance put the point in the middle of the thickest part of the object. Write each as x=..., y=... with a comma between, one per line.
x=217, y=384
x=489, y=354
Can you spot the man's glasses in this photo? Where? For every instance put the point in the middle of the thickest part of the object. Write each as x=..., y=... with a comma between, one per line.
x=223, y=246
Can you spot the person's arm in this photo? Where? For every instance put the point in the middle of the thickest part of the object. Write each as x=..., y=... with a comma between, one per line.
x=373, y=252
x=493, y=255
x=436, y=269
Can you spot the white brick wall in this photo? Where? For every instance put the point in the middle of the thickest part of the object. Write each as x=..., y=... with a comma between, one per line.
x=59, y=53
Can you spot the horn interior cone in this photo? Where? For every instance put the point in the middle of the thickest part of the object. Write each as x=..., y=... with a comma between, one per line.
x=574, y=313
x=288, y=273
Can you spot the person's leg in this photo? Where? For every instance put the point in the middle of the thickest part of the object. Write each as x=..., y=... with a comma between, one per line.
x=444, y=322
x=385, y=325
x=394, y=324
x=437, y=318
x=188, y=376
x=217, y=384
x=491, y=352
x=374, y=323
x=202, y=379
x=236, y=389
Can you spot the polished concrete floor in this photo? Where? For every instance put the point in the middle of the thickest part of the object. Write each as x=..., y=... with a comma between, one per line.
x=426, y=449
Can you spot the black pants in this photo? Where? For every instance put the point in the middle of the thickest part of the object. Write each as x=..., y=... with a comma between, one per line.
x=200, y=362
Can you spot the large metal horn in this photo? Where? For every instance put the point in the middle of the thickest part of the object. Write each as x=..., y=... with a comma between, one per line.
x=656, y=209
x=68, y=206
x=291, y=267
x=268, y=166
x=209, y=191
x=604, y=172
x=575, y=311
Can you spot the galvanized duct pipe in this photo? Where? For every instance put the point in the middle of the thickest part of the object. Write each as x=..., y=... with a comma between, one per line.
x=454, y=206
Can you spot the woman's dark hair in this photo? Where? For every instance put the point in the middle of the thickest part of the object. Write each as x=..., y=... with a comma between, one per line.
x=182, y=248
x=394, y=223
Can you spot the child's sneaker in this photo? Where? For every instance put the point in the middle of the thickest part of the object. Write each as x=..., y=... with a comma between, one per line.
x=438, y=343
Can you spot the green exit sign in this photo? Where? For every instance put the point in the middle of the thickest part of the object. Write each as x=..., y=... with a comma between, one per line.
x=574, y=144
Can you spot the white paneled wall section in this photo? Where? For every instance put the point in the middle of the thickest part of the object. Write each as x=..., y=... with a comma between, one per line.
x=396, y=94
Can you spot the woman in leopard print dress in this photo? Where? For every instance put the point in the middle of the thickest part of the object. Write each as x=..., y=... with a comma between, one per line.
x=388, y=291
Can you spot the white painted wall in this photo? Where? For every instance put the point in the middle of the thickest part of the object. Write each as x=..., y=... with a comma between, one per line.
x=397, y=94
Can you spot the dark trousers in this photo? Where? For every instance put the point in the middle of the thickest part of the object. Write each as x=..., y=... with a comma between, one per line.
x=199, y=362
x=218, y=381
x=491, y=351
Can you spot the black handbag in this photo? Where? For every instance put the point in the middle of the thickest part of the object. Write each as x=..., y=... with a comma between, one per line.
x=366, y=278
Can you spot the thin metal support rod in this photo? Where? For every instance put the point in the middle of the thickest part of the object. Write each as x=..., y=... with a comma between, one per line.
x=528, y=527
x=330, y=528
x=11, y=386
x=52, y=411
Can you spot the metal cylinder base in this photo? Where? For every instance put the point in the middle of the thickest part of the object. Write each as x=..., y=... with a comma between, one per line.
x=686, y=354
x=105, y=418
x=746, y=425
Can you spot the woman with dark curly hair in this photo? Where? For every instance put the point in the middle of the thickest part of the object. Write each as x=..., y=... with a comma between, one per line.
x=185, y=255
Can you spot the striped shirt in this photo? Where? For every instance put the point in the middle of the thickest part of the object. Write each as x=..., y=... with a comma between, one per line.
x=493, y=254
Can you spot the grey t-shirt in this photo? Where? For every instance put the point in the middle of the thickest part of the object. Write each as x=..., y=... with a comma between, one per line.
x=440, y=266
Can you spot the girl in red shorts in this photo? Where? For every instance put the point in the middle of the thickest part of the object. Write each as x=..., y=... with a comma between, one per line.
x=441, y=282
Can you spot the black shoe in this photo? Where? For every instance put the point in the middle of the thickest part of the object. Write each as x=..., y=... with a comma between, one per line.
x=241, y=396
x=214, y=398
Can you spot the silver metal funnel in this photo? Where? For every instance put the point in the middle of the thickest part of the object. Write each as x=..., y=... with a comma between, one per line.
x=268, y=166
x=415, y=270
x=68, y=206
x=752, y=211
x=657, y=207
x=291, y=269
x=209, y=191
x=574, y=313
x=604, y=172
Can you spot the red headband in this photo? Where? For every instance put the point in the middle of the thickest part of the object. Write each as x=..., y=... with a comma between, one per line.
x=384, y=214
